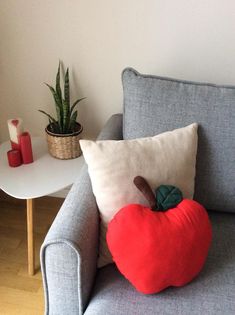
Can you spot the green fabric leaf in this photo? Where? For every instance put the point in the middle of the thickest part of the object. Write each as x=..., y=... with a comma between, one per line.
x=167, y=197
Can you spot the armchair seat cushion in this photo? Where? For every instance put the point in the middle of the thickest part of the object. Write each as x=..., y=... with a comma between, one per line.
x=211, y=293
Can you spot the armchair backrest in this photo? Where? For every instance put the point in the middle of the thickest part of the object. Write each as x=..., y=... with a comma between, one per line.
x=155, y=104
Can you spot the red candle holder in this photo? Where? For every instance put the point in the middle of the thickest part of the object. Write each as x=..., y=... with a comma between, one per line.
x=26, y=147
x=14, y=158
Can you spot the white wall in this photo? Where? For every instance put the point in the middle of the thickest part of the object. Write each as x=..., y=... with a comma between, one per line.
x=190, y=39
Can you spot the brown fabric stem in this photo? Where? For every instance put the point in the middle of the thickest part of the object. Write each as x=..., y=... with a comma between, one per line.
x=146, y=190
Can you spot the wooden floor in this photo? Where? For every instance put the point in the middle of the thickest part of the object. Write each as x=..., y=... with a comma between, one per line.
x=21, y=294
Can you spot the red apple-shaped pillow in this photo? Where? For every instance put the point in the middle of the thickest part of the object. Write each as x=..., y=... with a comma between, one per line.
x=161, y=246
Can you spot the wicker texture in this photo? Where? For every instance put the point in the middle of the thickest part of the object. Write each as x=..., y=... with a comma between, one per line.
x=64, y=147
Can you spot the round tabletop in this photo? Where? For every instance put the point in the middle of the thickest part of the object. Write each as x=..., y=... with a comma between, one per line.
x=45, y=176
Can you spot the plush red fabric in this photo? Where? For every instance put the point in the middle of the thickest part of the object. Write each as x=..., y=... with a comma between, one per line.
x=155, y=250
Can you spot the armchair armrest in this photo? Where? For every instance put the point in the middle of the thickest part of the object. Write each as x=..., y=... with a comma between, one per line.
x=69, y=251
x=112, y=129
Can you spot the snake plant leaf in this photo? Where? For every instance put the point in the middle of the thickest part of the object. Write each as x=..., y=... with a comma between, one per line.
x=53, y=127
x=58, y=89
x=167, y=197
x=73, y=121
x=65, y=114
x=53, y=123
x=55, y=95
x=58, y=105
x=75, y=103
x=66, y=88
x=49, y=116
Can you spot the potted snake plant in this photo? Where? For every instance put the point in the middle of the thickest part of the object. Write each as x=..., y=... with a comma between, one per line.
x=63, y=131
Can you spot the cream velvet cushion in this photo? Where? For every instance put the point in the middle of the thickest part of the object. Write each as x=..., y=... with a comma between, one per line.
x=168, y=158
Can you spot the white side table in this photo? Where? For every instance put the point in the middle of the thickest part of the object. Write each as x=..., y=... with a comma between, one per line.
x=45, y=176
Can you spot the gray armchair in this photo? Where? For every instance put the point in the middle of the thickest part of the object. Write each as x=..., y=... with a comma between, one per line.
x=69, y=251
x=72, y=283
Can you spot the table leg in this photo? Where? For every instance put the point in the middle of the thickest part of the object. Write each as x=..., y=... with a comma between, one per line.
x=30, y=203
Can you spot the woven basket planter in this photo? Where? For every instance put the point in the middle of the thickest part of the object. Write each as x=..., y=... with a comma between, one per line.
x=64, y=146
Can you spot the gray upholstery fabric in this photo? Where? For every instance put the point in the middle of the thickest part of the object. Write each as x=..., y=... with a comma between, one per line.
x=211, y=293
x=112, y=129
x=68, y=255
x=154, y=104
x=69, y=252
